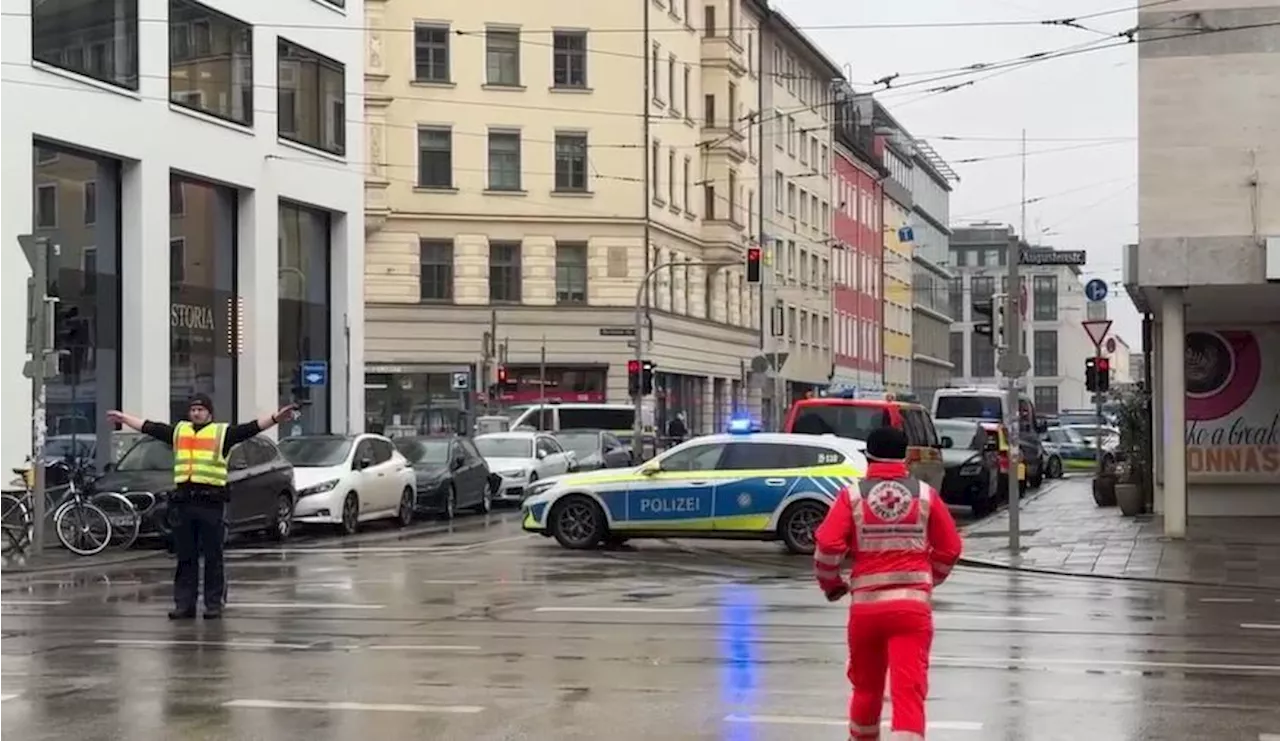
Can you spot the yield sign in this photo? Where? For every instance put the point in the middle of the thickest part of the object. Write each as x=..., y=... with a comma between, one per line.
x=1097, y=330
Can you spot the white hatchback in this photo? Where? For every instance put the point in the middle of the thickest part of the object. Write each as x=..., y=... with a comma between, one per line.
x=343, y=480
x=523, y=458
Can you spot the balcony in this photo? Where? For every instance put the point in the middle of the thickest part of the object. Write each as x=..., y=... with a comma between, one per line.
x=724, y=241
x=726, y=138
x=725, y=52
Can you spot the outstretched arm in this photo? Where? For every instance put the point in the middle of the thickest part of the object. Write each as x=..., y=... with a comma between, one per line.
x=158, y=430
x=237, y=434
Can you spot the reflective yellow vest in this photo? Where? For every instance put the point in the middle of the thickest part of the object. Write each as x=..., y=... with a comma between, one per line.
x=197, y=455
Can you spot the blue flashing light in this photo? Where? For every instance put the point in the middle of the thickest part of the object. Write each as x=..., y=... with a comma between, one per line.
x=743, y=426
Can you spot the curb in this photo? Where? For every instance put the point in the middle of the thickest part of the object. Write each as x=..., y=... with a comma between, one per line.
x=982, y=563
x=73, y=566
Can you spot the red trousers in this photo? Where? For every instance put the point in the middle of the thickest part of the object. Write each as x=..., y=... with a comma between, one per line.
x=891, y=638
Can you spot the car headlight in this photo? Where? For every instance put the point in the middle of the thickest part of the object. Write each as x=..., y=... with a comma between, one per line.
x=516, y=474
x=319, y=488
x=539, y=487
x=972, y=469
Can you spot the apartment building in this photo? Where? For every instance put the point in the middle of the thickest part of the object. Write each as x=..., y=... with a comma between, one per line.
x=857, y=250
x=1052, y=337
x=796, y=174
x=219, y=129
x=931, y=185
x=899, y=159
x=528, y=173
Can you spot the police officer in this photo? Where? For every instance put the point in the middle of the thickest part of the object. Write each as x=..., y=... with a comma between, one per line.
x=903, y=543
x=200, y=450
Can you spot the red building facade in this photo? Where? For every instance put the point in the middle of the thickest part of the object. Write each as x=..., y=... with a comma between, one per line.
x=857, y=266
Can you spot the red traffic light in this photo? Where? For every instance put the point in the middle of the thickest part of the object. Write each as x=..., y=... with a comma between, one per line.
x=753, y=254
x=502, y=374
x=1104, y=364
x=633, y=366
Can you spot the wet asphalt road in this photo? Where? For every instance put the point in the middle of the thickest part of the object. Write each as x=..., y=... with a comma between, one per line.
x=482, y=633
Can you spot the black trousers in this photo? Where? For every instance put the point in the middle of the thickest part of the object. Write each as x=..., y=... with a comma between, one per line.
x=198, y=531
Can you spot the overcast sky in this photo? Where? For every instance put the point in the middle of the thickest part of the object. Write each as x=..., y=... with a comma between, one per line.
x=1088, y=188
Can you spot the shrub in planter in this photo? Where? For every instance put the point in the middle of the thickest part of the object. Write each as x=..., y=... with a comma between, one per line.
x=1135, y=444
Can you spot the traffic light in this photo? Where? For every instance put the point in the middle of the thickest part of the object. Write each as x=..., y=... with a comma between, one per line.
x=1097, y=375
x=988, y=318
x=1104, y=374
x=646, y=380
x=753, y=264
x=634, y=371
x=71, y=339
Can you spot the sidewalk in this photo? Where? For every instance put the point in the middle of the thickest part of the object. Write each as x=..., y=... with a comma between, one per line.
x=1063, y=530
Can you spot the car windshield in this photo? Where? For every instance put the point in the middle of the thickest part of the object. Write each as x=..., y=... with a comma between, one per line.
x=963, y=434
x=969, y=407
x=582, y=443
x=315, y=452
x=423, y=451
x=845, y=420
x=148, y=455
x=505, y=447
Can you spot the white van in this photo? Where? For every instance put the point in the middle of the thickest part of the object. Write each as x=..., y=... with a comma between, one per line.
x=554, y=417
x=987, y=404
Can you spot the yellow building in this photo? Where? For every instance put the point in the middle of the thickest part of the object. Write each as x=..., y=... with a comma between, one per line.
x=897, y=296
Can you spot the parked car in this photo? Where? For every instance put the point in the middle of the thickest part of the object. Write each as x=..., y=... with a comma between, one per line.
x=1053, y=465
x=450, y=474
x=260, y=482
x=970, y=455
x=521, y=458
x=596, y=449
x=1078, y=451
x=988, y=405
x=856, y=418
x=344, y=480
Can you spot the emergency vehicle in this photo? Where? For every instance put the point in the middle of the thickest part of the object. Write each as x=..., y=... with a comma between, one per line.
x=741, y=485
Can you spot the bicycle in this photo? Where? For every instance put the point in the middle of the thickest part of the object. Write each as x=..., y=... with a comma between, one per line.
x=85, y=524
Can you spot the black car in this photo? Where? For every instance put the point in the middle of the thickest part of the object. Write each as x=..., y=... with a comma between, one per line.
x=596, y=449
x=451, y=474
x=259, y=479
x=969, y=455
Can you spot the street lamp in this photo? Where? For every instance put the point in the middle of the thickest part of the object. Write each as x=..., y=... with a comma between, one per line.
x=637, y=429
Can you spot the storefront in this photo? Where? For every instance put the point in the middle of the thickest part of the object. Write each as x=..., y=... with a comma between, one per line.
x=405, y=400
x=305, y=317
x=565, y=383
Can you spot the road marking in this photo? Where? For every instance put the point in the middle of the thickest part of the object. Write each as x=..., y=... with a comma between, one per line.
x=303, y=606
x=974, y=616
x=1260, y=626
x=457, y=582
x=6, y=698
x=145, y=643
x=634, y=610
x=1269, y=737
x=32, y=602
x=1227, y=600
x=800, y=720
x=412, y=647
x=368, y=707
x=358, y=549
x=1000, y=660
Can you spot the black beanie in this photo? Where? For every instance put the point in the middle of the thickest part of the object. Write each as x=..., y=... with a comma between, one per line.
x=201, y=400
x=887, y=444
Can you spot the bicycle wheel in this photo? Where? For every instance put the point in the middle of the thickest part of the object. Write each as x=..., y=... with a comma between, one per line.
x=15, y=519
x=83, y=528
x=125, y=520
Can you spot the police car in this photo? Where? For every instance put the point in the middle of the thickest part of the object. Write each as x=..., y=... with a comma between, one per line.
x=742, y=484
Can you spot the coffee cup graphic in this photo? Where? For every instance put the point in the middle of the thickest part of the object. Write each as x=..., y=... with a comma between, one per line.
x=1222, y=370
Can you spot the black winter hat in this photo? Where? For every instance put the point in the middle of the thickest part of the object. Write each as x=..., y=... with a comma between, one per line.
x=887, y=444
x=201, y=400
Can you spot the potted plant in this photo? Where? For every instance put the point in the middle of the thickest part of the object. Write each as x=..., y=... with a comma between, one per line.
x=1104, y=488
x=1135, y=450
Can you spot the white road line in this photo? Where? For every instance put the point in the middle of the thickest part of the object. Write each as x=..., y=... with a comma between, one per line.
x=143, y=643
x=1134, y=664
x=1260, y=626
x=6, y=698
x=1227, y=600
x=301, y=605
x=455, y=582
x=974, y=616
x=383, y=549
x=632, y=610
x=1269, y=737
x=31, y=602
x=412, y=647
x=800, y=720
x=353, y=706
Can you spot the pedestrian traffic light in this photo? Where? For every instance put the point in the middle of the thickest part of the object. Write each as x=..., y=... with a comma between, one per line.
x=502, y=375
x=1097, y=375
x=646, y=380
x=988, y=318
x=634, y=371
x=753, y=264
x=1104, y=375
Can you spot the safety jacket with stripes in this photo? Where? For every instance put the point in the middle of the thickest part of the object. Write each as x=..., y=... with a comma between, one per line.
x=197, y=454
x=896, y=530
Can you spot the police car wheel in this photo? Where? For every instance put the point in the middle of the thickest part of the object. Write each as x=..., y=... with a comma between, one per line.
x=798, y=525
x=577, y=522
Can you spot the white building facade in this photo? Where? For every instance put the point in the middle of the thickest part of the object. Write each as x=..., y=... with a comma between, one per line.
x=190, y=166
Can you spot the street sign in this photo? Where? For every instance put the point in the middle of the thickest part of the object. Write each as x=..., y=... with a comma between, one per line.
x=1111, y=345
x=461, y=381
x=1097, y=330
x=906, y=234
x=1096, y=290
x=617, y=331
x=1013, y=364
x=1095, y=311
x=315, y=372
x=1052, y=257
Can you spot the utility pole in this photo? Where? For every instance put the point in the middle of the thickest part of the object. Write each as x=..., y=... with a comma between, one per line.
x=1015, y=365
x=487, y=350
x=42, y=365
x=542, y=372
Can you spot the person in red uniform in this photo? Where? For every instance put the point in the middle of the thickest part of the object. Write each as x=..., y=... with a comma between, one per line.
x=903, y=543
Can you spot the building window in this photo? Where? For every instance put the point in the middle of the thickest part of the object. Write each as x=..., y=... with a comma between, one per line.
x=431, y=53
x=210, y=62
x=982, y=287
x=708, y=201
x=655, y=171
x=204, y=310
x=1045, y=352
x=435, y=270
x=684, y=94
x=957, y=352
x=305, y=320
x=671, y=176
x=957, y=300
x=502, y=57
x=90, y=202
x=435, y=157
x=983, y=357
x=1046, y=399
x=709, y=20
x=504, y=272
x=46, y=202
x=177, y=260
x=654, y=79
x=570, y=60
x=504, y=160
x=84, y=276
x=671, y=84
x=94, y=39
x=687, y=183
x=312, y=97
x=1044, y=289
x=571, y=163
x=571, y=273
x=709, y=110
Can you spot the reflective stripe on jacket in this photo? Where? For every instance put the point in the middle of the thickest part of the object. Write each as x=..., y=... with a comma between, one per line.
x=197, y=454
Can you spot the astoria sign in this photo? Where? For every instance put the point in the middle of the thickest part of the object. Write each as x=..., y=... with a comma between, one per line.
x=191, y=317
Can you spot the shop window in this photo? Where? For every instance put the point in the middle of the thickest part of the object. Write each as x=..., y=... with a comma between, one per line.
x=210, y=62
x=416, y=403
x=94, y=39
x=84, y=275
x=305, y=319
x=529, y=383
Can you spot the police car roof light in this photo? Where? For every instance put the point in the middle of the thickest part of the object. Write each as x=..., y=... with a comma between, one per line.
x=741, y=426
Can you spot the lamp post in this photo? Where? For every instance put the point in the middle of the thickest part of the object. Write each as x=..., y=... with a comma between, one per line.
x=637, y=429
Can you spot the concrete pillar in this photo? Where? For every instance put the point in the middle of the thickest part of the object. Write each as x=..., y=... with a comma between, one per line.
x=144, y=289
x=1157, y=419
x=1174, y=401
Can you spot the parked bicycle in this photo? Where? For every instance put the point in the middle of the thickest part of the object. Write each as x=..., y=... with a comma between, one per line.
x=86, y=524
